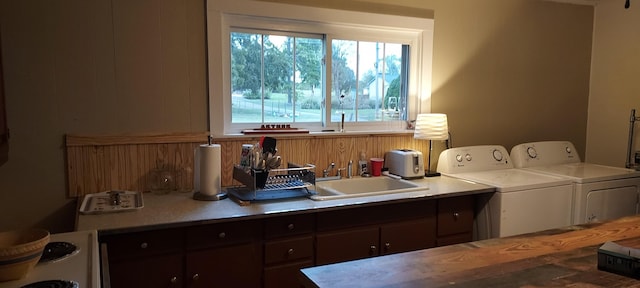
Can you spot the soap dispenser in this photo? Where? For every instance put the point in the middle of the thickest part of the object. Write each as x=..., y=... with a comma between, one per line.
x=363, y=165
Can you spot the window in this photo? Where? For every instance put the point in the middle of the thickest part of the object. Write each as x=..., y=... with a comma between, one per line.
x=313, y=72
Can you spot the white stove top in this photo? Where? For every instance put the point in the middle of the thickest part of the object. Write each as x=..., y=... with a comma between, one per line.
x=82, y=267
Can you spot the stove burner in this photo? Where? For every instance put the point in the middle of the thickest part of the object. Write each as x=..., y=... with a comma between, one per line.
x=53, y=284
x=55, y=251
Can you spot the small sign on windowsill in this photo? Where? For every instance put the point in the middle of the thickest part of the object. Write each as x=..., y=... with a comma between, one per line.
x=275, y=129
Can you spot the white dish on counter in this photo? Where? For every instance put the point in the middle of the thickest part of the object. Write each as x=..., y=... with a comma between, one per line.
x=111, y=201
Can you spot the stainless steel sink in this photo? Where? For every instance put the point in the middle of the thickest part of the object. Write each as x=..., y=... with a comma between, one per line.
x=363, y=186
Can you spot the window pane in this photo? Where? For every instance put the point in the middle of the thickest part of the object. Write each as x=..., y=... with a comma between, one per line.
x=275, y=78
x=308, y=79
x=370, y=76
x=344, y=61
x=278, y=79
x=246, y=78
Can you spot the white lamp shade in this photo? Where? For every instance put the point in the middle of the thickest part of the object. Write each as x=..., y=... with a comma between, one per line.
x=431, y=126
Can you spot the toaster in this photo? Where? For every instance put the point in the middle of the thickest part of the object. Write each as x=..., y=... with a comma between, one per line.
x=405, y=163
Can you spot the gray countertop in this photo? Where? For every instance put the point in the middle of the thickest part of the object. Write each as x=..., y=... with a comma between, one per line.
x=180, y=209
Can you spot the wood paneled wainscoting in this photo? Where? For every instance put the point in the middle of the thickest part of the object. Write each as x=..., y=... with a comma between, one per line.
x=128, y=162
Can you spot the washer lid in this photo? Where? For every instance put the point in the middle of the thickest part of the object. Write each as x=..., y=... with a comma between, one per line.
x=587, y=172
x=510, y=180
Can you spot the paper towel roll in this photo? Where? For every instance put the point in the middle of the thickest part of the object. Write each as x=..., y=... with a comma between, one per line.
x=208, y=170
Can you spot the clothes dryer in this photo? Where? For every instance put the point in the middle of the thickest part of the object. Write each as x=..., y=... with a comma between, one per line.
x=524, y=201
x=600, y=192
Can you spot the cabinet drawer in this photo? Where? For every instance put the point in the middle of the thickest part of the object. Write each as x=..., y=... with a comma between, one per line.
x=289, y=225
x=142, y=244
x=223, y=234
x=287, y=250
x=455, y=215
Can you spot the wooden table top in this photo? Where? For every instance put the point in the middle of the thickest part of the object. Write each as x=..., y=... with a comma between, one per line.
x=554, y=258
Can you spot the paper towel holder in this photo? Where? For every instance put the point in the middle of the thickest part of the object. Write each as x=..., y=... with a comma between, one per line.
x=203, y=197
x=198, y=195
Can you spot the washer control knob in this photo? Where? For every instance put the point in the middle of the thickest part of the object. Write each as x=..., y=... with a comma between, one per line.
x=497, y=155
x=468, y=157
x=568, y=149
x=459, y=158
x=532, y=152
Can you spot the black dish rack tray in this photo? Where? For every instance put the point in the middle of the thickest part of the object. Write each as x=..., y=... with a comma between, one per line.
x=290, y=182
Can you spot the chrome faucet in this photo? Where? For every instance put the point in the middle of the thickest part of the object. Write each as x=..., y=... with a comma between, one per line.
x=325, y=172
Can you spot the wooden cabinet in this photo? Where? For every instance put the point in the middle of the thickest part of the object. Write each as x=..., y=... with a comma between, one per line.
x=407, y=236
x=455, y=220
x=270, y=252
x=372, y=231
x=288, y=247
x=230, y=266
x=347, y=244
x=215, y=255
x=224, y=255
x=146, y=259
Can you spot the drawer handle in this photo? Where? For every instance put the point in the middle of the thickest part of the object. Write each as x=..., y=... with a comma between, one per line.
x=290, y=251
x=373, y=249
x=196, y=277
x=456, y=215
x=291, y=227
x=387, y=246
x=222, y=235
x=174, y=280
x=144, y=245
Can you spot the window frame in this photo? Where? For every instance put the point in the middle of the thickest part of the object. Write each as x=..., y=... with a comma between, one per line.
x=334, y=24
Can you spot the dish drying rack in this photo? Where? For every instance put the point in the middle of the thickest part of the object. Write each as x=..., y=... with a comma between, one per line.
x=290, y=182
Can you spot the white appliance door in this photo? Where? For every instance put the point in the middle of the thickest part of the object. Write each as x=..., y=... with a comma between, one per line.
x=608, y=204
x=531, y=210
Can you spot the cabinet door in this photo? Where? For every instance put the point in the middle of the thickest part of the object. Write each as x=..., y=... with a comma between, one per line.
x=455, y=220
x=344, y=245
x=152, y=272
x=407, y=236
x=284, y=276
x=229, y=266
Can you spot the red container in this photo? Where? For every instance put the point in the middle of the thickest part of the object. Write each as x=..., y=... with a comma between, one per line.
x=376, y=166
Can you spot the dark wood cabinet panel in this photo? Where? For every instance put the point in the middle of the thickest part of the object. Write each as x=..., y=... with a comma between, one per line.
x=454, y=239
x=407, y=236
x=284, y=276
x=270, y=252
x=230, y=266
x=151, y=272
x=216, y=255
x=290, y=249
x=220, y=234
x=344, y=245
x=145, y=244
x=455, y=216
x=289, y=225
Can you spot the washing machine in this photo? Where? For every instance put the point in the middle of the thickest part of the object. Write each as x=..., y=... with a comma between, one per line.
x=524, y=201
x=600, y=192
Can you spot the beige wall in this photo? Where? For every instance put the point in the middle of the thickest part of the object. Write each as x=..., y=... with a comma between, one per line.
x=615, y=82
x=91, y=67
x=506, y=71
